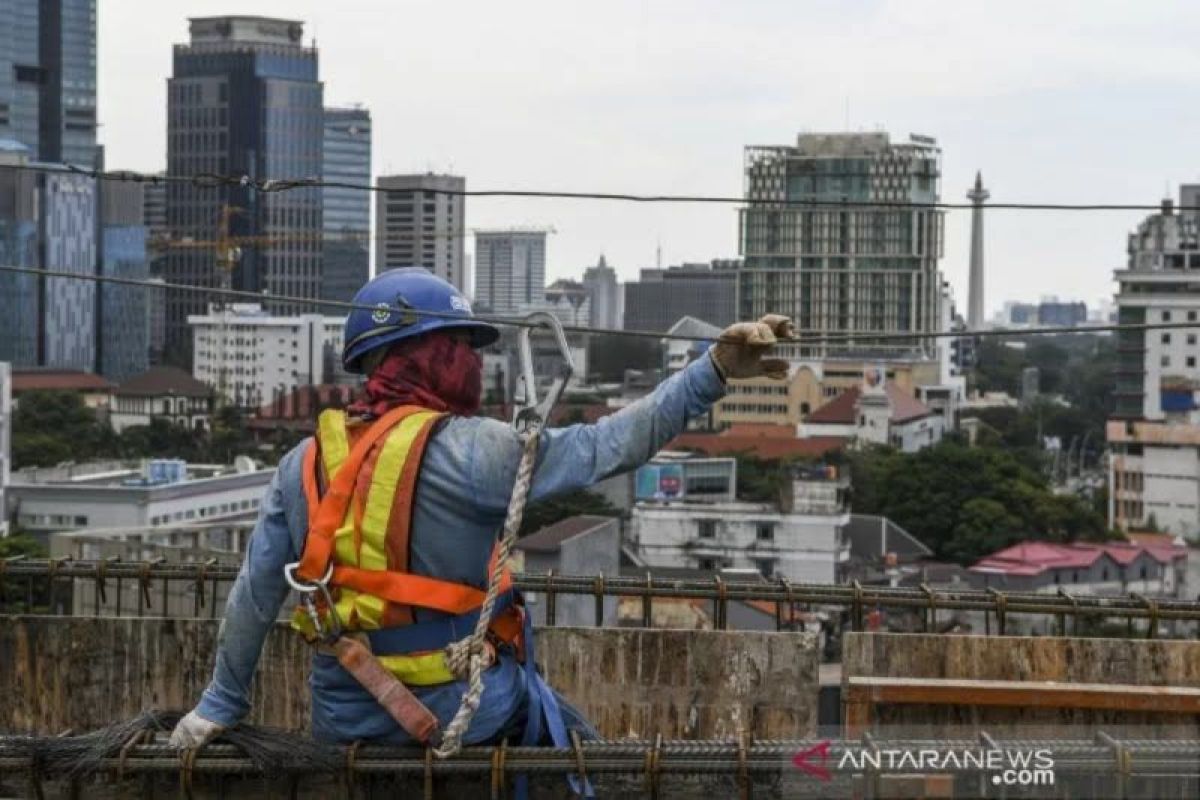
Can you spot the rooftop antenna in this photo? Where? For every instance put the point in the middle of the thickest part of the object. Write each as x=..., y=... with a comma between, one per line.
x=658, y=255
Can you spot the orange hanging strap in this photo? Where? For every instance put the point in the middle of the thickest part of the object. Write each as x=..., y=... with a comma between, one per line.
x=331, y=511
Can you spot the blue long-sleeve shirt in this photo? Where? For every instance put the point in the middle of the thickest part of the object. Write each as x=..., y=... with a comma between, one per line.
x=461, y=498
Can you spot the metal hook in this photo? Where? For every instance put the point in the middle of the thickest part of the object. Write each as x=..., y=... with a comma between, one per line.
x=531, y=415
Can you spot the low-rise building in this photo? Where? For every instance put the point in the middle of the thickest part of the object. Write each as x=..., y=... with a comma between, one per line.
x=1084, y=568
x=582, y=545
x=96, y=391
x=878, y=412
x=252, y=356
x=801, y=539
x=297, y=411
x=162, y=393
x=129, y=496
x=1154, y=476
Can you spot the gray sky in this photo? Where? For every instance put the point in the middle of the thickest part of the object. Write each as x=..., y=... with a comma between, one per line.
x=1060, y=101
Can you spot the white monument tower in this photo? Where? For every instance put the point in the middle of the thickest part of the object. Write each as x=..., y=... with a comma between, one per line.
x=975, y=290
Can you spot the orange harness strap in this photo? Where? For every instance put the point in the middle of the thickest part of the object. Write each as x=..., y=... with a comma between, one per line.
x=331, y=510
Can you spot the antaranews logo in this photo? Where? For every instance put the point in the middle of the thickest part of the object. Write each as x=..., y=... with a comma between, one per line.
x=1009, y=767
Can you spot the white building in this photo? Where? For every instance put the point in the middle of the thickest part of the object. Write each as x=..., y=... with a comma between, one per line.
x=257, y=356
x=878, y=412
x=681, y=352
x=1154, y=438
x=510, y=269
x=421, y=224
x=128, y=496
x=162, y=393
x=802, y=541
x=604, y=291
x=5, y=440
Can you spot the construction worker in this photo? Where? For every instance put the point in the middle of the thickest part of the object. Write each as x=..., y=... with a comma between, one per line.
x=422, y=509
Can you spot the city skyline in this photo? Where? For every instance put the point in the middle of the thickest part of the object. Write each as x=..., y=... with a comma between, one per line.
x=1077, y=90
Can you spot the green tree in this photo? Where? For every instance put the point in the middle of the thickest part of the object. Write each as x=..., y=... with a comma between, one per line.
x=52, y=427
x=966, y=502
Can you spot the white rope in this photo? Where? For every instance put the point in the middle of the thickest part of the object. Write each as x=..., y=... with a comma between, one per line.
x=466, y=657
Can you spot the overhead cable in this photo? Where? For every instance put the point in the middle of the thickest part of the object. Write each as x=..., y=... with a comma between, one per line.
x=804, y=337
x=214, y=180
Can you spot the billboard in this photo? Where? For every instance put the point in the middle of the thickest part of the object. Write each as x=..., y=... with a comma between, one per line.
x=659, y=482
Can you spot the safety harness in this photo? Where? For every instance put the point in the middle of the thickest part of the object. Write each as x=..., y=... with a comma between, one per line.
x=358, y=594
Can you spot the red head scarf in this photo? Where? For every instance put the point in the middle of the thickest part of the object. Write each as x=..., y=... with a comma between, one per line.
x=437, y=371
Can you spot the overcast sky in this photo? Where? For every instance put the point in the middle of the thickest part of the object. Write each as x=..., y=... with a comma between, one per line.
x=1058, y=101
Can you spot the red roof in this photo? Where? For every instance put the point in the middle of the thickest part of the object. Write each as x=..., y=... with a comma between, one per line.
x=58, y=380
x=843, y=409
x=161, y=381
x=1033, y=558
x=768, y=447
x=762, y=429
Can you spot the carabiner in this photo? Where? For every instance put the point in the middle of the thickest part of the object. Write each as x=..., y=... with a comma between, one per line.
x=530, y=414
x=307, y=590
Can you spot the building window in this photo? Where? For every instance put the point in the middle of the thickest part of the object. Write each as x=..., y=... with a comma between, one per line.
x=1191, y=361
x=1166, y=316
x=1191, y=316
x=1166, y=361
x=1166, y=338
x=1143, y=572
x=706, y=529
x=706, y=563
x=764, y=531
x=1191, y=339
x=766, y=566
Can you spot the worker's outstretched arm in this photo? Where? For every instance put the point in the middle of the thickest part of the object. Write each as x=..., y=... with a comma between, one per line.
x=580, y=455
x=251, y=609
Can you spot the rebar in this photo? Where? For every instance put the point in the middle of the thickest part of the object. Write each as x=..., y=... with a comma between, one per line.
x=854, y=597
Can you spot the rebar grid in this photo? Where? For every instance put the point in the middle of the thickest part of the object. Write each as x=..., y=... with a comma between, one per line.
x=206, y=577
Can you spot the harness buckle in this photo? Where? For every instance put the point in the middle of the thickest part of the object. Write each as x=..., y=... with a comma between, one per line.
x=308, y=591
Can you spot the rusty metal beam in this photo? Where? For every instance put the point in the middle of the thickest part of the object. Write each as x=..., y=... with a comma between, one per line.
x=863, y=694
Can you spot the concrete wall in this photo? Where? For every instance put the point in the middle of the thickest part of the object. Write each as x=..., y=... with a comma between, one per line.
x=1022, y=658
x=70, y=672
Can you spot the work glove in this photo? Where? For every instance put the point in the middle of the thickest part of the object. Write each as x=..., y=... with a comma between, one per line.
x=194, y=731
x=739, y=350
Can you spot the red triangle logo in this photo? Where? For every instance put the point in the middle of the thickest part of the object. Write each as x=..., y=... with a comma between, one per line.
x=813, y=761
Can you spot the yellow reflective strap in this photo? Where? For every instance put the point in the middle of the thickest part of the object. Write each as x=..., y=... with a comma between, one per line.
x=335, y=442
x=381, y=494
x=428, y=669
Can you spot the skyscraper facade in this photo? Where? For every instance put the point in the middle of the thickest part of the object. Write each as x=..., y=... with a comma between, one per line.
x=419, y=225
x=346, y=212
x=833, y=266
x=67, y=318
x=244, y=99
x=19, y=303
x=48, y=78
x=122, y=325
x=661, y=297
x=510, y=269
x=604, y=295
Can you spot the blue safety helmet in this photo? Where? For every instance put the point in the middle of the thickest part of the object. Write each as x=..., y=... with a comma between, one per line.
x=396, y=296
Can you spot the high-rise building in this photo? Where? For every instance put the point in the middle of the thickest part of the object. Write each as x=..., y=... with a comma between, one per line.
x=1154, y=438
x=347, y=212
x=244, y=99
x=154, y=220
x=975, y=313
x=420, y=225
x=510, y=269
x=604, y=294
x=48, y=78
x=156, y=319
x=122, y=325
x=833, y=266
x=661, y=297
x=47, y=220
